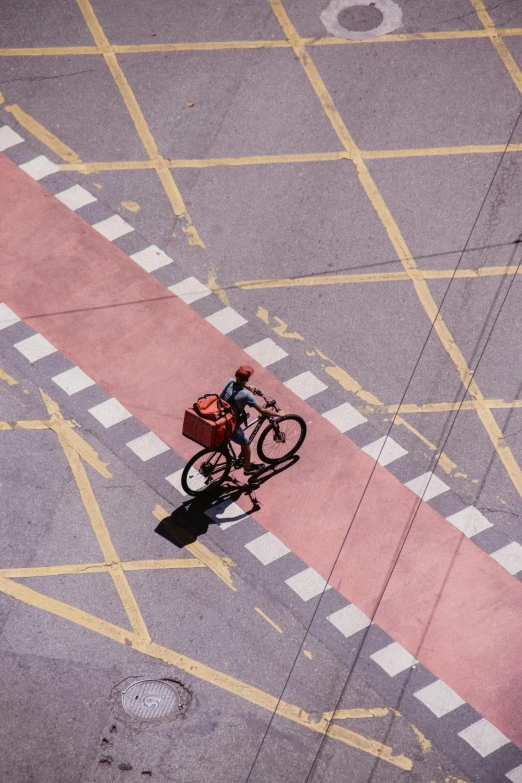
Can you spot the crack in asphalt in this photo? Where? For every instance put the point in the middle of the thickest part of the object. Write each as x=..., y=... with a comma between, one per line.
x=42, y=78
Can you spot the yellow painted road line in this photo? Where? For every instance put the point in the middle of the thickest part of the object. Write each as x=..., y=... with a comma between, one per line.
x=423, y=152
x=96, y=568
x=42, y=134
x=158, y=565
x=219, y=565
x=47, y=51
x=140, y=123
x=268, y=620
x=378, y=277
x=500, y=45
x=4, y=376
x=58, y=570
x=57, y=51
x=60, y=609
x=109, y=165
x=104, y=540
x=64, y=433
x=203, y=163
x=312, y=280
x=299, y=157
x=443, y=407
x=403, y=253
x=350, y=384
x=199, y=46
x=24, y=425
x=200, y=670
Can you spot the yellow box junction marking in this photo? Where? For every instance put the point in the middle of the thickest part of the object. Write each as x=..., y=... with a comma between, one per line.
x=268, y=620
x=42, y=134
x=378, y=277
x=403, y=253
x=140, y=123
x=139, y=637
x=219, y=565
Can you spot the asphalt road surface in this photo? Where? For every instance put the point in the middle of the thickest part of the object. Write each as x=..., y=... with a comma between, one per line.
x=353, y=205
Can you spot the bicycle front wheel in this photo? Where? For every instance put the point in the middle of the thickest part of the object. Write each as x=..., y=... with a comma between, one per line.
x=205, y=471
x=281, y=439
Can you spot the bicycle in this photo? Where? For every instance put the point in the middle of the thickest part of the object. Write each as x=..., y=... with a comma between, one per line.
x=209, y=468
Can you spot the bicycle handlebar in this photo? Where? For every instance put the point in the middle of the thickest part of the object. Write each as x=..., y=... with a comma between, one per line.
x=270, y=403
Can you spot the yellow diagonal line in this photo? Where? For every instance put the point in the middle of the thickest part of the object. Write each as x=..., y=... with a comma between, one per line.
x=42, y=134
x=95, y=568
x=443, y=407
x=200, y=670
x=142, y=128
x=499, y=44
x=64, y=432
x=219, y=565
x=348, y=383
x=155, y=565
x=60, y=609
x=298, y=157
x=421, y=287
x=423, y=152
x=60, y=570
x=378, y=277
x=4, y=376
x=47, y=51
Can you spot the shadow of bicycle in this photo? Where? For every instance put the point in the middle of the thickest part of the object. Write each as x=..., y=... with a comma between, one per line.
x=217, y=507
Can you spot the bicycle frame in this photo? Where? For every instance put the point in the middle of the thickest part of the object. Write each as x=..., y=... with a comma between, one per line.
x=258, y=422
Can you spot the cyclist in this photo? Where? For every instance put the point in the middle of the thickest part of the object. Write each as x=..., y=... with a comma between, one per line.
x=239, y=395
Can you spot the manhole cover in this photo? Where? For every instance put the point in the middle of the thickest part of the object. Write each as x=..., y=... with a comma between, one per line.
x=151, y=699
x=360, y=17
x=358, y=20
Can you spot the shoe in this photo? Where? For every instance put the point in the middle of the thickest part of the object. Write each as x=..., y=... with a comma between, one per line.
x=254, y=468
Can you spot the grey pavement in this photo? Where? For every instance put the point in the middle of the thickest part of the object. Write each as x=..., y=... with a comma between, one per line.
x=263, y=220
x=62, y=677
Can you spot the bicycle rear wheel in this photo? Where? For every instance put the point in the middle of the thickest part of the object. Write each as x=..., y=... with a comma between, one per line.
x=281, y=439
x=205, y=471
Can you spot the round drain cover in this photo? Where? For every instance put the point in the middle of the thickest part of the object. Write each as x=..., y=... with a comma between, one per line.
x=151, y=699
x=360, y=17
x=358, y=20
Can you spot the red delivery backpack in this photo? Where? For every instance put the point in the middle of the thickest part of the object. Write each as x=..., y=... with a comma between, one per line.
x=211, y=421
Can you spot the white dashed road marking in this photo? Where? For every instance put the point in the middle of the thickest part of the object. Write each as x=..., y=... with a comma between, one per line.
x=40, y=167
x=345, y=417
x=147, y=446
x=267, y=548
x=75, y=197
x=305, y=385
x=110, y=412
x=510, y=556
x=151, y=258
x=266, y=352
x=394, y=659
x=113, y=227
x=427, y=486
x=469, y=521
x=349, y=620
x=73, y=381
x=439, y=698
x=7, y=316
x=8, y=138
x=35, y=347
x=483, y=737
x=307, y=584
x=384, y=450
x=226, y=320
x=190, y=290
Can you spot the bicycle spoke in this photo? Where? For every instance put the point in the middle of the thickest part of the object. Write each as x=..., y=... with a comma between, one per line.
x=206, y=471
x=282, y=440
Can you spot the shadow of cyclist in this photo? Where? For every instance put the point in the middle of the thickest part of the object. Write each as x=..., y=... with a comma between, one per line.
x=194, y=516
